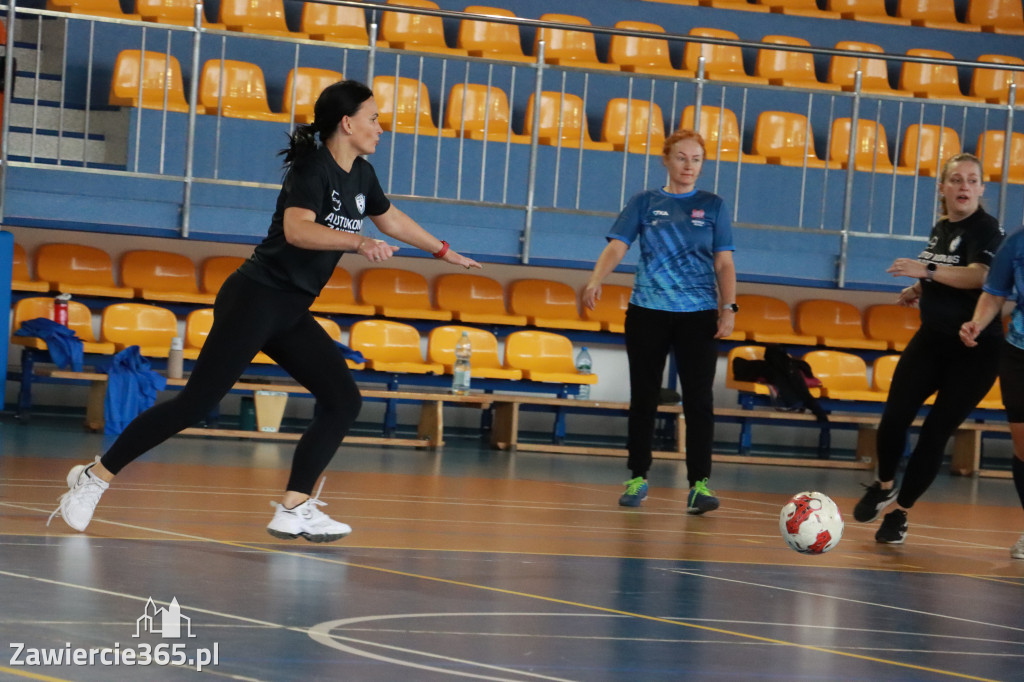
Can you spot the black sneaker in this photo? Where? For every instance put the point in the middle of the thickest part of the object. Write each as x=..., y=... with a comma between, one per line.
x=874, y=501
x=893, y=530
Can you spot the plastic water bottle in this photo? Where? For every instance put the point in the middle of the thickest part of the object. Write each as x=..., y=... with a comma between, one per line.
x=175, y=358
x=584, y=365
x=461, y=372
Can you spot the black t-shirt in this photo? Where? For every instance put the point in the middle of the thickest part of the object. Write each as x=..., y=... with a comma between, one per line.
x=974, y=239
x=340, y=200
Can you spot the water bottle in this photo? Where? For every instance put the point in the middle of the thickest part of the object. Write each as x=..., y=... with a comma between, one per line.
x=460, y=374
x=584, y=365
x=175, y=359
x=60, y=309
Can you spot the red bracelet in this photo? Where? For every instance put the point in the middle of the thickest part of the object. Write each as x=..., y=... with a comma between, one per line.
x=444, y=250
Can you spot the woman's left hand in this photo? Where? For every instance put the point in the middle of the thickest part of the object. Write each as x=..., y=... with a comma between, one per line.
x=726, y=324
x=456, y=258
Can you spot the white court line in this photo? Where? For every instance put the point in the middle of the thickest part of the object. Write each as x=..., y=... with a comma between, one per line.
x=694, y=574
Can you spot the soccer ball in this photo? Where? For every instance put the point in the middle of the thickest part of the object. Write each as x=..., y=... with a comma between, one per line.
x=811, y=523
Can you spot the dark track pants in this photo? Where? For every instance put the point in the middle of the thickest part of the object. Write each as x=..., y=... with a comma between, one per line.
x=650, y=335
x=961, y=376
x=250, y=317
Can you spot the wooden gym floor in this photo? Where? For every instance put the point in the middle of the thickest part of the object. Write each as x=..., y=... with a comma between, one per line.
x=471, y=564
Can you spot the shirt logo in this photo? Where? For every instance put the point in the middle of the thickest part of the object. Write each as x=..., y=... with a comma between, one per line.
x=335, y=200
x=697, y=213
x=660, y=213
x=361, y=203
x=955, y=244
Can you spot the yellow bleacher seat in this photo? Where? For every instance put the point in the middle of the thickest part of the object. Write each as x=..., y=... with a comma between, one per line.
x=836, y=324
x=544, y=356
x=162, y=276
x=308, y=82
x=418, y=32
x=990, y=151
x=871, y=150
x=865, y=10
x=147, y=326
x=874, y=72
x=721, y=133
x=265, y=17
x=894, y=324
x=475, y=299
x=768, y=320
x=786, y=139
x=927, y=147
x=721, y=62
x=79, y=320
x=634, y=124
x=21, y=280
x=648, y=56
x=799, y=8
x=485, y=363
x=843, y=376
x=997, y=16
x=215, y=270
x=99, y=8
x=336, y=24
x=481, y=38
x=338, y=297
x=932, y=14
x=547, y=303
x=563, y=121
x=390, y=346
x=399, y=293
x=177, y=12
x=405, y=109
x=161, y=78
x=480, y=112
x=564, y=47
x=993, y=85
x=787, y=67
x=243, y=94
x=78, y=269
x=932, y=81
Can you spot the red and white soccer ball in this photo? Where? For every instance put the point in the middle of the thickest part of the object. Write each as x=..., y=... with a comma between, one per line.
x=811, y=523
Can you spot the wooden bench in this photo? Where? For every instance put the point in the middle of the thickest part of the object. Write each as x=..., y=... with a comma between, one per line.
x=505, y=432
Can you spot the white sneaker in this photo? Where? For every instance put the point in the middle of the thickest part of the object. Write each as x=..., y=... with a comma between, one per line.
x=79, y=502
x=307, y=521
x=1017, y=551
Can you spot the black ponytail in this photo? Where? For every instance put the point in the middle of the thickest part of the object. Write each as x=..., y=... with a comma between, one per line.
x=334, y=103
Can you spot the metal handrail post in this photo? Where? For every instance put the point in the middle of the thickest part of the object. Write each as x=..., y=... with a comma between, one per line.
x=190, y=131
x=5, y=126
x=844, y=239
x=531, y=177
x=1011, y=99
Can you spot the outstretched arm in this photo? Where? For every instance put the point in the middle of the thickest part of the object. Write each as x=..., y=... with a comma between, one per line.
x=302, y=230
x=395, y=223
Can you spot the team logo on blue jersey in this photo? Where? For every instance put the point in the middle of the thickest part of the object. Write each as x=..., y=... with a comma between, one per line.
x=697, y=213
x=361, y=203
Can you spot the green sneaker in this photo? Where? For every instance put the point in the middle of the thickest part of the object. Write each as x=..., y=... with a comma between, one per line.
x=701, y=499
x=636, y=491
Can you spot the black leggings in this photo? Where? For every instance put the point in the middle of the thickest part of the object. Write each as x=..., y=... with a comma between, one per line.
x=249, y=317
x=932, y=363
x=650, y=335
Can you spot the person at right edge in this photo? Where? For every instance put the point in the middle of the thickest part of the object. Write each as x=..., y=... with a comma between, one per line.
x=950, y=273
x=683, y=301
x=1005, y=278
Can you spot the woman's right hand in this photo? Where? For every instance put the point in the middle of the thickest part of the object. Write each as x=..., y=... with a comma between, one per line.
x=376, y=250
x=909, y=296
x=591, y=295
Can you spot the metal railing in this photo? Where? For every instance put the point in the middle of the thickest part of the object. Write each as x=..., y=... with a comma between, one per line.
x=554, y=176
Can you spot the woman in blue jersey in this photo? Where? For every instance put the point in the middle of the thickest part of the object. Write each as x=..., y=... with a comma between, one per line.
x=328, y=191
x=1006, y=278
x=683, y=301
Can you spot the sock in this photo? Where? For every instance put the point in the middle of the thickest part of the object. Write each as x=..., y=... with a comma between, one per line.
x=1018, y=478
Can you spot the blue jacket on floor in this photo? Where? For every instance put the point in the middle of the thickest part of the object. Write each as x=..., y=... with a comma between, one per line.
x=132, y=388
x=64, y=345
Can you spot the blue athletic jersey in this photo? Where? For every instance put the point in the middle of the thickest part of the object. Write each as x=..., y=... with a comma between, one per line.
x=679, y=237
x=1005, y=277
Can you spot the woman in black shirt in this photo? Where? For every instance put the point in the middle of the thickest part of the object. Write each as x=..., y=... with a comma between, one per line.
x=950, y=273
x=327, y=192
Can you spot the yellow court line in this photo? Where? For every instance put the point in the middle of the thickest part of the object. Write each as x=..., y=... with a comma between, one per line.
x=31, y=676
x=553, y=600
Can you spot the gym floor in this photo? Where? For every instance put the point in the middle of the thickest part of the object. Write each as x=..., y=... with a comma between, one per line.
x=471, y=563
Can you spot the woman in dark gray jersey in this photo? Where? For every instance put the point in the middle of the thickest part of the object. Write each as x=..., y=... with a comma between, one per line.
x=328, y=190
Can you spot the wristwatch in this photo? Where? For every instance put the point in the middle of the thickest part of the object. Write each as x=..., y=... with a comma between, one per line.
x=730, y=307
x=931, y=268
